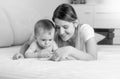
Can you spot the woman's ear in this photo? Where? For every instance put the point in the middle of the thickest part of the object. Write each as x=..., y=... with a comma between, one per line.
x=75, y=23
x=35, y=37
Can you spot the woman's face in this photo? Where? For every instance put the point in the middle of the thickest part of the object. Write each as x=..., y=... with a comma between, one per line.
x=65, y=29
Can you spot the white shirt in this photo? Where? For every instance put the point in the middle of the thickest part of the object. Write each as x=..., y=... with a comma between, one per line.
x=85, y=32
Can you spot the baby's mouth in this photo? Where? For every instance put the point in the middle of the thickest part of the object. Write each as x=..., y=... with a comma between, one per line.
x=46, y=46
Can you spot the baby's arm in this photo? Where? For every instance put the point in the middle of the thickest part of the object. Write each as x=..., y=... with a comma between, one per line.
x=55, y=47
x=32, y=51
x=24, y=47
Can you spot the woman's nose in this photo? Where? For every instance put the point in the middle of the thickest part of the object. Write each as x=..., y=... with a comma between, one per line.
x=62, y=30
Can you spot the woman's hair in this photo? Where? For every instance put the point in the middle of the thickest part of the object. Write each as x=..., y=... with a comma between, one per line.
x=45, y=24
x=65, y=12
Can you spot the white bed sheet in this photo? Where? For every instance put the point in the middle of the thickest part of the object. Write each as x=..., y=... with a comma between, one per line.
x=106, y=67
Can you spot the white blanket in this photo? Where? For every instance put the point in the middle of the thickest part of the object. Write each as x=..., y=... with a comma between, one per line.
x=106, y=67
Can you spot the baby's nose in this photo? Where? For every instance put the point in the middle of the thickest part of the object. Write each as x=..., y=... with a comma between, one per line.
x=47, y=42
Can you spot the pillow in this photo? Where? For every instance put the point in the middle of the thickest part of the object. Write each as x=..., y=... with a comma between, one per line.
x=99, y=37
x=22, y=18
x=6, y=32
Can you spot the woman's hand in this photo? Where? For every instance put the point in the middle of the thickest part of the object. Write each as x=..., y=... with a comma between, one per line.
x=64, y=53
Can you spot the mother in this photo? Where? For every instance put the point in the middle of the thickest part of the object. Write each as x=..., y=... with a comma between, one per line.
x=75, y=40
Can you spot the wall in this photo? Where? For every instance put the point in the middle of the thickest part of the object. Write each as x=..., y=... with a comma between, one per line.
x=18, y=15
x=17, y=18
x=111, y=6
x=44, y=7
x=106, y=2
x=114, y=6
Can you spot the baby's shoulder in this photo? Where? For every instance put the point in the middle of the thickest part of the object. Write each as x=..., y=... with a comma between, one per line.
x=34, y=44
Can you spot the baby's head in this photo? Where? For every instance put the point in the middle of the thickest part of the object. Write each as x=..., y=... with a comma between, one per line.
x=44, y=32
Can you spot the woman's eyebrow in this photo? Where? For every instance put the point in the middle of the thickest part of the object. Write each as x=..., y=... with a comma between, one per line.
x=65, y=26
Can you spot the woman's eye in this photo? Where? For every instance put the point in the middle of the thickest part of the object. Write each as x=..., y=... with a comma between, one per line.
x=65, y=27
x=57, y=28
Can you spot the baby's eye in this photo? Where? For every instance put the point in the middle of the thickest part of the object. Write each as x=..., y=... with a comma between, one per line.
x=43, y=39
x=50, y=39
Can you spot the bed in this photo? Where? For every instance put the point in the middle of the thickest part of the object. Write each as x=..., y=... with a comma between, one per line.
x=17, y=19
x=106, y=67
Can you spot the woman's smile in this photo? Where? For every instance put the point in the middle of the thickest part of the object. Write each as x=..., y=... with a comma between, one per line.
x=63, y=37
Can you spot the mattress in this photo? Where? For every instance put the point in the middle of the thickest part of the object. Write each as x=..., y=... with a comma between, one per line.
x=106, y=67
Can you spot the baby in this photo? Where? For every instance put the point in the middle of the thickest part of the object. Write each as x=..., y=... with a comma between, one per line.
x=44, y=45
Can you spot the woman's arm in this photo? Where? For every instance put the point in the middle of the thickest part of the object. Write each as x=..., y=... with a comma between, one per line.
x=91, y=51
x=69, y=52
x=90, y=44
x=26, y=45
x=21, y=54
x=91, y=47
x=32, y=51
x=23, y=49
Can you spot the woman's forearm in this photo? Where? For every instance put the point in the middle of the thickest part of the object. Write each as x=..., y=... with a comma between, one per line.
x=80, y=55
x=24, y=48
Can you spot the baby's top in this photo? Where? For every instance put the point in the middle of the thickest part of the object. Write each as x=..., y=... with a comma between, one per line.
x=35, y=51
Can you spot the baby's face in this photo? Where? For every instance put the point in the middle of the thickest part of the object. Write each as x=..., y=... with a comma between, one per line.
x=45, y=38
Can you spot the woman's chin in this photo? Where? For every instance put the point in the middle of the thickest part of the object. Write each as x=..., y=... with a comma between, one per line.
x=65, y=38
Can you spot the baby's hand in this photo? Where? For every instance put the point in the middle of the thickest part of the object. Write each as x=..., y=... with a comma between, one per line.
x=45, y=54
x=17, y=56
x=44, y=59
x=53, y=57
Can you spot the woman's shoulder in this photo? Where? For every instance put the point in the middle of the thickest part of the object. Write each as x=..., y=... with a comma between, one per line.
x=34, y=44
x=86, y=31
x=84, y=28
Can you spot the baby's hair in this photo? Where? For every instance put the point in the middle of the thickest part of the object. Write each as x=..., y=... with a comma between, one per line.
x=65, y=12
x=45, y=24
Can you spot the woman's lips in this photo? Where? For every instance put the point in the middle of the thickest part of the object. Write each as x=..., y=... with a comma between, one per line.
x=63, y=36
